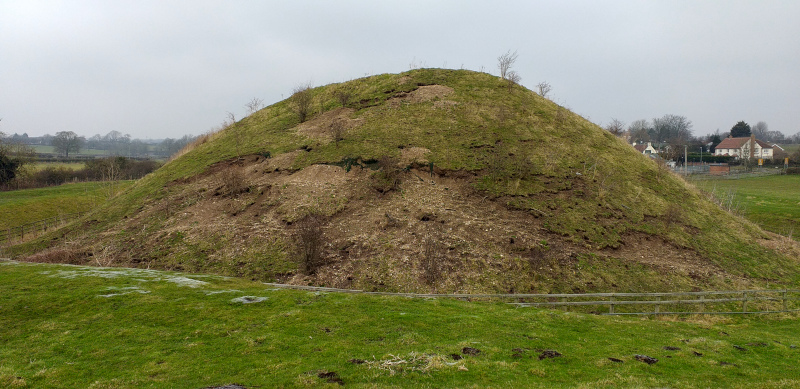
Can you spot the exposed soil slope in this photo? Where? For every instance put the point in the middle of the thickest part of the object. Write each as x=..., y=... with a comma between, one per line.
x=431, y=180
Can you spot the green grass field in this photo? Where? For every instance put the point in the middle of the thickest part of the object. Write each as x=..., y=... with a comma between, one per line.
x=773, y=202
x=42, y=149
x=38, y=166
x=76, y=327
x=791, y=148
x=19, y=207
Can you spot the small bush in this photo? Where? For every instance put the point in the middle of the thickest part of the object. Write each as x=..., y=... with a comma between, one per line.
x=118, y=168
x=387, y=178
x=337, y=129
x=310, y=243
x=67, y=255
x=673, y=214
x=302, y=98
x=432, y=256
x=343, y=95
x=50, y=176
x=233, y=182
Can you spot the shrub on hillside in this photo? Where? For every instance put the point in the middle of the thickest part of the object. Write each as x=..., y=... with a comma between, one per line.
x=310, y=243
x=387, y=178
x=301, y=99
x=50, y=176
x=118, y=168
x=432, y=256
x=233, y=182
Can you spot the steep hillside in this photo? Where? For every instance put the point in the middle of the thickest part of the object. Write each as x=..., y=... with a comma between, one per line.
x=428, y=180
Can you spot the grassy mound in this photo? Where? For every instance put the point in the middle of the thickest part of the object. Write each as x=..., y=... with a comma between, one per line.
x=427, y=180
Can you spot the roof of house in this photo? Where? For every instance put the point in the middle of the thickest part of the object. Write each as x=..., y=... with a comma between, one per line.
x=640, y=148
x=737, y=143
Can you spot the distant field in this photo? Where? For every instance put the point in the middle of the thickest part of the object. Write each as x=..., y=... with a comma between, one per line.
x=773, y=202
x=76, y=327
x=19, y=207
x=69, y=165
x=791, y=148
x=49, y=150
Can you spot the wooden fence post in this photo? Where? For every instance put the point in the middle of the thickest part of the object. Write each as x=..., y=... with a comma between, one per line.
x=744, y=302
x=783, y=297
x=658, y=306
x=564, y=300
x=611, y=306
x=702, y=303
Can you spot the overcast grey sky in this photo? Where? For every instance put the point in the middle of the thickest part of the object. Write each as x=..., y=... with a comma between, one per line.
x=156, y=69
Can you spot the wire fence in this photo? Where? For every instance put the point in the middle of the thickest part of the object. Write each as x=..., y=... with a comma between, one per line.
x=667, y=303
x=732, y=175
x=678, y=303
x=33, y=229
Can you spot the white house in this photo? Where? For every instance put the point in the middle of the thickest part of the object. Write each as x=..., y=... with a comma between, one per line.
x=645, y=149
x=744, y=148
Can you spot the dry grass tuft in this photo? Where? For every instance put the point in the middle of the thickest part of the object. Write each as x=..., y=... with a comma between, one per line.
x=68, y=255
x=234, y=182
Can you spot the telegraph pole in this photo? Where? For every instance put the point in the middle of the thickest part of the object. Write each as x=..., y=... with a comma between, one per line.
x=685, y=160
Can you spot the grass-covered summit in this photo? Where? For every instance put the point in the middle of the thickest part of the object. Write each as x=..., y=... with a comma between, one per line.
x=432, y=179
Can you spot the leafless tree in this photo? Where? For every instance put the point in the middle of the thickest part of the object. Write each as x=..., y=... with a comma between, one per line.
x=673, y=129
x=231, y=123
x=387, y=178
x=66, y=141
x=762, y=132
x=639, y=131
x=513, y=78
x=337, y=130
x=343, y=95
x=234, y=182
x=254, y=105
x=544, y=88
x=111, y=175
x=616, y=127
x=302, y=99
x=310, y=242
x=505, y=61
x=433, y=251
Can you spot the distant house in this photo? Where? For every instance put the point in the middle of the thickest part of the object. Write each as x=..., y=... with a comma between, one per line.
x=648, y=149
x=744, y=148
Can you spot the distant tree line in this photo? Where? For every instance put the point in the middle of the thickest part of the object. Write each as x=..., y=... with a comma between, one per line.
x=114, y=143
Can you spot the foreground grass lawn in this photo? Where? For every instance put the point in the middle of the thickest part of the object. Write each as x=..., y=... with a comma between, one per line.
x=18, y=207
x=772, y=202
x=75, y=327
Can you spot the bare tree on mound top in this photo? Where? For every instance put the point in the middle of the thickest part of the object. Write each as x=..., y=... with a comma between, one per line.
x=544, y=88
x=254, y=105
x=301, y=98
x=505, y=61
x=513, y=78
